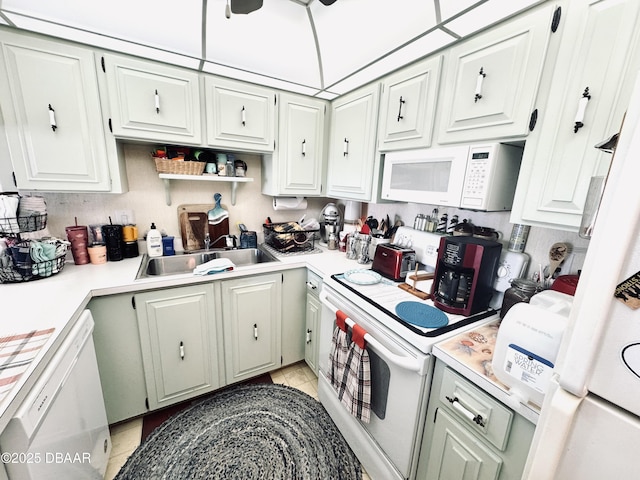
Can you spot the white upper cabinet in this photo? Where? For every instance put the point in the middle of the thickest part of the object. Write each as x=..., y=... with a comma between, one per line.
x=408, y=106
x=297, y=165
x=53, y=120
x=152, y=101
x=353, y=165
x=592, y=80
x=492, y=80
x=240, y=116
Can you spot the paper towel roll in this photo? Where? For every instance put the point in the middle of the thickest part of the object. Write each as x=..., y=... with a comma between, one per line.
x=289, y=203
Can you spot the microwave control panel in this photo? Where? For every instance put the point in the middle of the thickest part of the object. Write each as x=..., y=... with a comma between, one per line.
x=491, y=177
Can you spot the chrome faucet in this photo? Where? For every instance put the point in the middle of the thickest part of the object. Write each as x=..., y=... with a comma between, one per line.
x=207, y=241
x=230, y=241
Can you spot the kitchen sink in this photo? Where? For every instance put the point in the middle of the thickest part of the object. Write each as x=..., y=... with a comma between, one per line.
x=186, y=262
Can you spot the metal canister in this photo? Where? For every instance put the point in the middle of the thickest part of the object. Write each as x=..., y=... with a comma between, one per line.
x=519, y=235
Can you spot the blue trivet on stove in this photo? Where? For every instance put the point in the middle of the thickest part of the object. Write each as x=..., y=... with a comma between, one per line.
x=421, y=315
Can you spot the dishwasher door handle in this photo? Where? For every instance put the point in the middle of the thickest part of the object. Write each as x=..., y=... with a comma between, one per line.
x=406, y=363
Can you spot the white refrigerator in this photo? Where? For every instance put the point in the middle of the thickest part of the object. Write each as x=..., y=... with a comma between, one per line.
x=589, y=426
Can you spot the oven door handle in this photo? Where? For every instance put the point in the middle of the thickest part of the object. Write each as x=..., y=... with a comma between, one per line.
x=406, y=363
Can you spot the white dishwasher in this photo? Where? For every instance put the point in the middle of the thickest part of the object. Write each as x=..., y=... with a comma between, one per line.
x=60, y=430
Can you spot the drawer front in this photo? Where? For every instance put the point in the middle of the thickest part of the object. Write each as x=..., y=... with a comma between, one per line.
x=483, y=413
x=314, y=283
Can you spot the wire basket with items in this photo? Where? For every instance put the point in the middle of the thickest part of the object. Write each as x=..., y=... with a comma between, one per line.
x=21, y=214
x=23, y=261
x=289, y=237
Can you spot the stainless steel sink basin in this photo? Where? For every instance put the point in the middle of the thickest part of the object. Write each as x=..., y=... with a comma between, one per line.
x=186, y=262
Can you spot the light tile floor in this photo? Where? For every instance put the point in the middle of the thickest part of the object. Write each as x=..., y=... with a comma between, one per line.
x=125, y=437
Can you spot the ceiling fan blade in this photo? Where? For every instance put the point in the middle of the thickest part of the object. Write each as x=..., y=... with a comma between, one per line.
x=245, y=6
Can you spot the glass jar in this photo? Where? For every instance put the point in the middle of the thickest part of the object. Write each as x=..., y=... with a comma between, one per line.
x=521, y=290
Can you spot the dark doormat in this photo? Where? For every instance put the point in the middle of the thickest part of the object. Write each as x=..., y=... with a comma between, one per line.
x=154, y=419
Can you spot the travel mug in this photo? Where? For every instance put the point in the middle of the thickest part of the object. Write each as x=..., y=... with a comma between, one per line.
x=78, y=235
x=112, y=235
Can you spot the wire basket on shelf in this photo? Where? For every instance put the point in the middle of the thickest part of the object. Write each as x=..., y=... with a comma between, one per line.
x=180, y=167
x=22, y=224
x=289, y=237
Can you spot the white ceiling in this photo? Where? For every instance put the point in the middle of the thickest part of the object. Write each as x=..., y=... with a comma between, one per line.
x=297, y=45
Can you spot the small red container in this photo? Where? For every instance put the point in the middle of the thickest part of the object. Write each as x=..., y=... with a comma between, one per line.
x=566, y=284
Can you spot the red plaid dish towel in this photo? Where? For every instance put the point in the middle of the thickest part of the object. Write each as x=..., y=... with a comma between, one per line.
x=355, y=389
x=339, y=351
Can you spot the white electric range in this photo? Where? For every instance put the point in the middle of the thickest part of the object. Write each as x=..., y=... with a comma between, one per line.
x=400, y=361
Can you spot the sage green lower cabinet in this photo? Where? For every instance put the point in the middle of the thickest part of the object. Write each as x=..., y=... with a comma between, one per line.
x=181, y=349
x=293, y=315
x=312, y=318
x=251, y=317
x=119, y=355
x=455, y=447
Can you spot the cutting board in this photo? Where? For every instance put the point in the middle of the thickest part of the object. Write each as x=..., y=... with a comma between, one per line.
x=215, y=231
x=193, y=230
x=193, y=226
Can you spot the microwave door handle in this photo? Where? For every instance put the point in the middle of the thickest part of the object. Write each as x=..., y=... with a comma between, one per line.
x=406, y=363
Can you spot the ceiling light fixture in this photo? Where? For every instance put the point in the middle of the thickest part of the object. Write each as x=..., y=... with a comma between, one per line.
x=245, y=6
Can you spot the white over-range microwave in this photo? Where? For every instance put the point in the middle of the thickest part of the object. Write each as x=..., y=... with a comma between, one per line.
x=477, y=177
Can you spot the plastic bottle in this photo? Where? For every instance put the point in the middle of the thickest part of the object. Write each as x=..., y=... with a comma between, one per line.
x=154, y=242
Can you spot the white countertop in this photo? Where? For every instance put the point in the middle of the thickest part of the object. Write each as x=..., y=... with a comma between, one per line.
x=56, y=302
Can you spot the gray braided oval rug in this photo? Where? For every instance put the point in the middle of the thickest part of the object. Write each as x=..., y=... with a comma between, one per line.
x=259, y=432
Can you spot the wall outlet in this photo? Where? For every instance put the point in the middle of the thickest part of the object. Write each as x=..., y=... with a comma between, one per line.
x=124, y=217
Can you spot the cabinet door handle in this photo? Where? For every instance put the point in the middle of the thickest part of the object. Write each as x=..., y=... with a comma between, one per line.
x=181, y=351
x=400, y=117
x=255, y=331
x=464, y=412
x=582, y=108
x=345, y=150
x=243, y=116
x=157, y=98
x=311, y=285
x=479, y=81
x=308, y=335
x=52, y=118
x=304, y=147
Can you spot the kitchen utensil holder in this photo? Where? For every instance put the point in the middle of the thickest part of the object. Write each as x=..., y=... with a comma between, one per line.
x=284, y=238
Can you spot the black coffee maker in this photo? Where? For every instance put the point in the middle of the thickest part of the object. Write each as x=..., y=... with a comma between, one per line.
x=465, y=271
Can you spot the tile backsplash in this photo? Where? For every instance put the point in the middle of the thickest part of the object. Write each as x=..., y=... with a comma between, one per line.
x=146, y=200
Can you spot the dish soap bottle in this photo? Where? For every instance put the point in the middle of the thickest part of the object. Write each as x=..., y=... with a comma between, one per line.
x=154, y=242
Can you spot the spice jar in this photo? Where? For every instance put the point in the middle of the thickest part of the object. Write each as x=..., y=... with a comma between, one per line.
x=521, y=290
